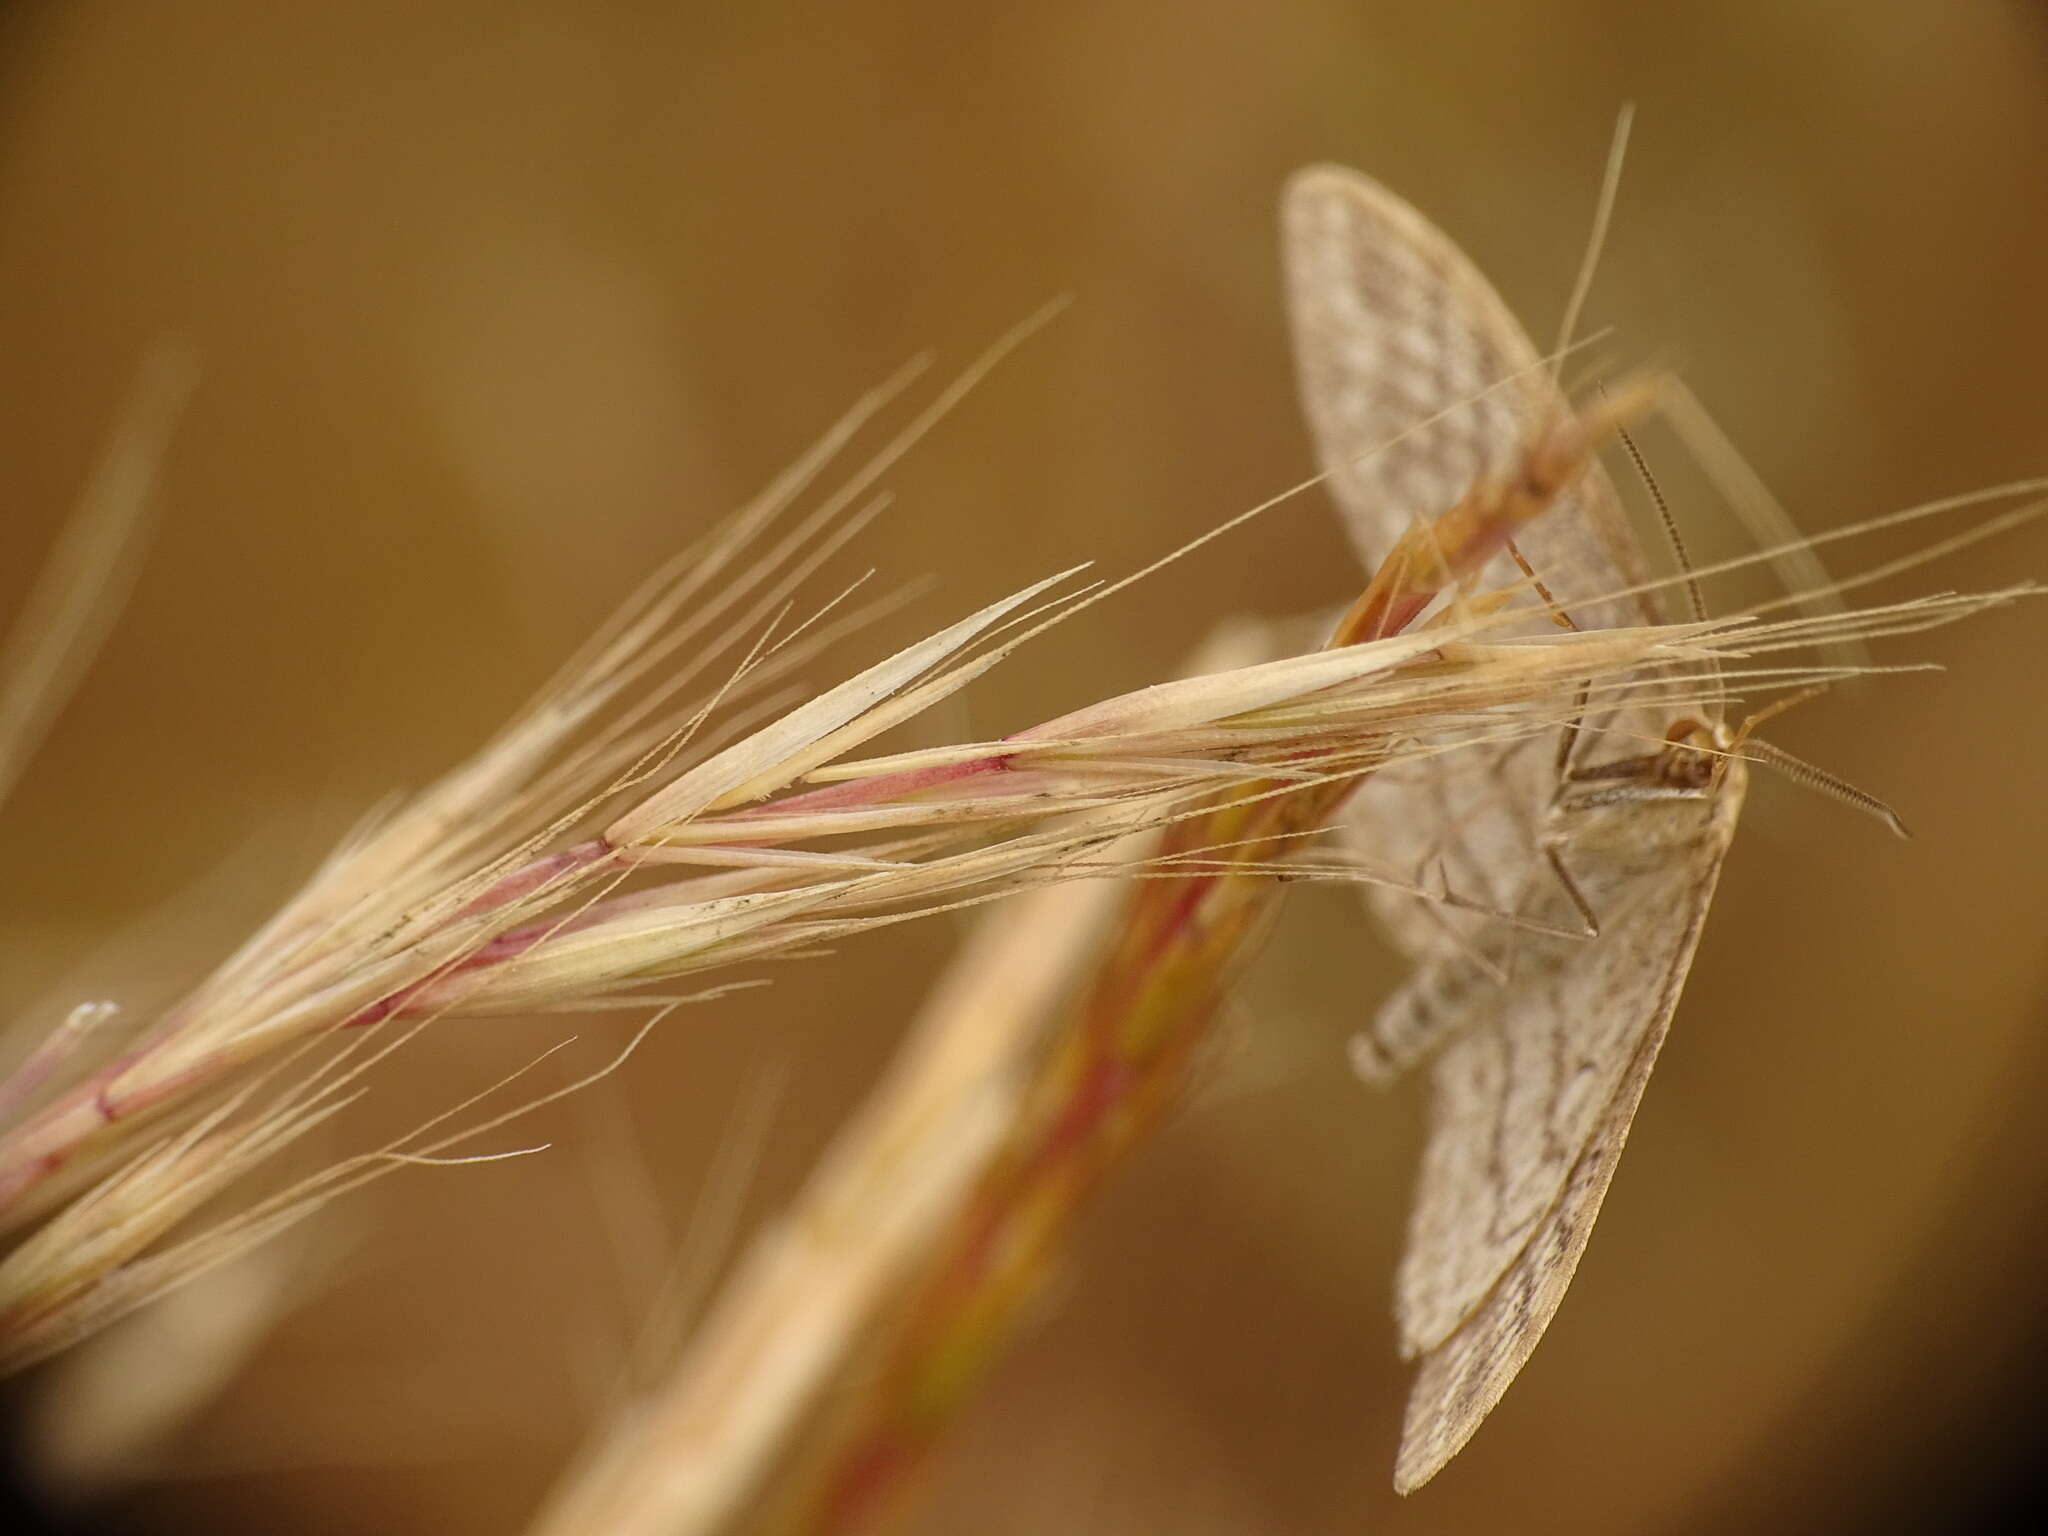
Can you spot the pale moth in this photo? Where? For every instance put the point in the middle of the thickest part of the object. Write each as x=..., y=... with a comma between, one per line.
x=1540, y=1044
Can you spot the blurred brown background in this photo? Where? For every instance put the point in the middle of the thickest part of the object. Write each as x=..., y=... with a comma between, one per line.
x=499, y=303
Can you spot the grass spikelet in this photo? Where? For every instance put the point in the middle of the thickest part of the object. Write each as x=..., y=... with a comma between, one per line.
x=561, y=867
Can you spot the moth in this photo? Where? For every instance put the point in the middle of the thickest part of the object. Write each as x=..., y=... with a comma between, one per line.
x=1585, y=867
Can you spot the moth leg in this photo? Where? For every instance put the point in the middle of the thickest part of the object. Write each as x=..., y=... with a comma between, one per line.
x=1558, y=616
x=1621, y=780
x=1427, y=1008
x=1462, y=941
x=1589, y=920
x=1440, y=999
x=1568, y=737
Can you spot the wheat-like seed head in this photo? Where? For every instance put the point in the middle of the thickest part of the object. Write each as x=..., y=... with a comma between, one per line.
x=623, y=833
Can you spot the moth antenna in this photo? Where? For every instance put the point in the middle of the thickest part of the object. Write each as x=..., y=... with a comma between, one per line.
x=1639, y=391
x=1801, y=772
x=1695, y=604
x=1603, y=212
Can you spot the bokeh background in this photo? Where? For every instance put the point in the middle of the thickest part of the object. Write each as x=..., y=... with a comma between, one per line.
x=498, y=303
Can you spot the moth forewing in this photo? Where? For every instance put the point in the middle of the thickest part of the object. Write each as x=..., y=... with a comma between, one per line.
x=1418, y=383
x=1528, y=1080
x=1464, y=1376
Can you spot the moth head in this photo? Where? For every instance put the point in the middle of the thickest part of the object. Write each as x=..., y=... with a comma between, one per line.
x=1695, y=756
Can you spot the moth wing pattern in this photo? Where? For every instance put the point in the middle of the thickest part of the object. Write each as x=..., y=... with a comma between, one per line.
x=1482, y=1306
x=1526, y=1086
x=1417, y=381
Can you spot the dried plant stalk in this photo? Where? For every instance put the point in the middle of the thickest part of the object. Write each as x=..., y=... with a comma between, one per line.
x=684, y=1457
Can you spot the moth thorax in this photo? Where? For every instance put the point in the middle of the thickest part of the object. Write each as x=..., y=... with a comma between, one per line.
x=1630, y=821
